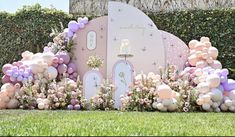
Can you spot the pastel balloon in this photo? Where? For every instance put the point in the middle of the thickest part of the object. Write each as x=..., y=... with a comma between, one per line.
x=81, y=25
x=213, y=52
x=164, y=92
x=19, y=78
x=84, y=20
x=75, y=74
x=26, y=74
x=64, y=55
x=9, y=72
x=70, y=34
x=62, y=68
x=213, y=80
x=13, y=79
x=70, y=70
x=14, y=68
x=52, y=73
x=229, y=85
x=6, y=67
x=15, y=74
x=5, y=79
x=73, y=26
x=216, y=64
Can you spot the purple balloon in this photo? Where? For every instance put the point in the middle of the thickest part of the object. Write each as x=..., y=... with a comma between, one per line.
x=15, y=74
x=84, y=20
x=73, y=26
x=21, y=71
x=63, y=55
x=229, y=85
x=9, y=72
x=81, y=25
x=62, y=68
x=14, y=68
x=223, y=79
x=26, y=74
x=73, y=66
x=70, y=70
x=19, y=78
x=70, y=34
x=73, y=101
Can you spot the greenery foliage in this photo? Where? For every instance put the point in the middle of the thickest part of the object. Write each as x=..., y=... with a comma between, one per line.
x=29, y=29
x=217, y=24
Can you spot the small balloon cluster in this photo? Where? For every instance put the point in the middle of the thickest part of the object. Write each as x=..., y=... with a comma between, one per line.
x=16, y=73
x=64, y=65
x=167, y=99
x=74, y=26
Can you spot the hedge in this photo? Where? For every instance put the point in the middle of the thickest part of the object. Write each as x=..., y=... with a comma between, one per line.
x=29, y=29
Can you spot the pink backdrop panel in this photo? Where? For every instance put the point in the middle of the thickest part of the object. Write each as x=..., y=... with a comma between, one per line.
x=176, y=50
x=81, y=51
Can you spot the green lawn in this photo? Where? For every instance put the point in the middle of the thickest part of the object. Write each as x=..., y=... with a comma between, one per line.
x=20, y=122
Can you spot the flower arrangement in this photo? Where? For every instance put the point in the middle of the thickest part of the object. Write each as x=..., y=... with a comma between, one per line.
x=104, y=99
x=94, y=62
x=142, y=94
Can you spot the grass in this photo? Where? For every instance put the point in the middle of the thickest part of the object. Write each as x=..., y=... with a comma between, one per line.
x=34, y=122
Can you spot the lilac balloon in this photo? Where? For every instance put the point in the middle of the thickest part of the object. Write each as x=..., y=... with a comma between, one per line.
x=25, y=80
x=21, y=71
x=15, y=74
x=26, y=74
x=84, y=20
x=81, y=25
x=223, y=79
x=229, y=85
x=63, y=55
x=73, y=26
x=19, y=78
x=73, y=101
x=70, y=34
x=14, y=68
x=70, y=70
x=6, y=67
x=5, y=79
x=9, y=72
x=224, y=72
x=62, y=68
x=73, y=66
x=61, y=61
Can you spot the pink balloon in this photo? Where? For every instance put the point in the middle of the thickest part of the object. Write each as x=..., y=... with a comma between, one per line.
x=5, y=79
x=6, y=67
x=55, y=60
x=62, y=68
x=13, y=79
